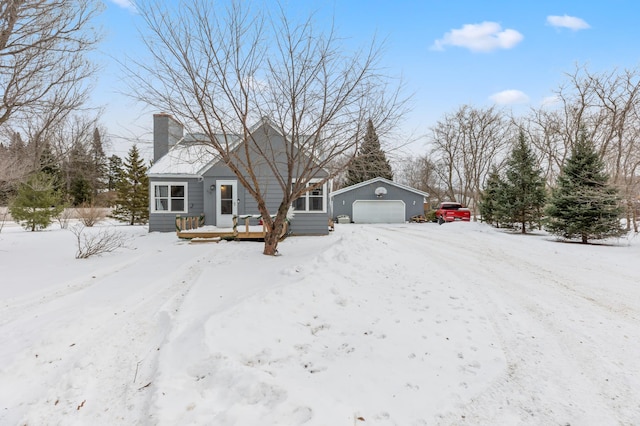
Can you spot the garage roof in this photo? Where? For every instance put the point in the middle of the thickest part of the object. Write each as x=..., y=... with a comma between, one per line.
x=379, y=180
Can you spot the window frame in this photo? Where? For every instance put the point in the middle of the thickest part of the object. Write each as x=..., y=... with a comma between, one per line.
x=307, y=198
x=169, y=210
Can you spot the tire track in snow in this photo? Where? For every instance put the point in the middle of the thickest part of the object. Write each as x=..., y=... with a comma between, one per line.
x=561, y=366
x=122, y=365
x=24, y=306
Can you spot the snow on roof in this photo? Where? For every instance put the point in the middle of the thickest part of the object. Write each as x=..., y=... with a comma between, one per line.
x=191, y=156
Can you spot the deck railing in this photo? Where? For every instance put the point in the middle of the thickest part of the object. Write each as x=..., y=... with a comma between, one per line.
x=247, y=218
x=186, y=223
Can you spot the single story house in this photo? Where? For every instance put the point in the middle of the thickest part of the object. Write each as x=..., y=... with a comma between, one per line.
x=189, y=178
x=378, y=200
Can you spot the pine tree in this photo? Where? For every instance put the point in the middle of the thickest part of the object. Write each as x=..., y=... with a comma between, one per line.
x=490, y=199
x=50, y=166
x=80, y=191
x=79, y=172
x=36, y=203
x=524, y=194
x=98, y=164
x=370, y=161
x=583, y=204
x=114, y=172
x=132, y=202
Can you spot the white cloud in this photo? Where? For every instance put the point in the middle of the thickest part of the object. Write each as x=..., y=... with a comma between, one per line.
x=483, y=37
x=125, y=4
x=566, y=21
x=509, y=97
x=550, y=101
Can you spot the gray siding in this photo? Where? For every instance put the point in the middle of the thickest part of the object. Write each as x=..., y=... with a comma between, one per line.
x=343, y=203
x=274, y=145
x=165, y=222
x=266, y=147
x=310, y=224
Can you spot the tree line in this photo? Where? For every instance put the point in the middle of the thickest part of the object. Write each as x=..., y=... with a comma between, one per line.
x=81, y=177
x=328, y=100
x=52, y=148
x=470, y=147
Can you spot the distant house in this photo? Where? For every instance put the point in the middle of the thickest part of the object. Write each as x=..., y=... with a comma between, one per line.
x=188, y=178
x=378, y=200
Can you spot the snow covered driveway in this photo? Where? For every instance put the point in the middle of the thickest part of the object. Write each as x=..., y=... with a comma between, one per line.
x=373, y=325
x=567, y=318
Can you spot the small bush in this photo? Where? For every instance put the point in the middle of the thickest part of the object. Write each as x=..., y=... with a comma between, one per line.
x=90, y=214
x=430, y=215
x=64, y=217
x=103, y=241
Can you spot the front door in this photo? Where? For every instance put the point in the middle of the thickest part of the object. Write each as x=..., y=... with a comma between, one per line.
x=226, y=202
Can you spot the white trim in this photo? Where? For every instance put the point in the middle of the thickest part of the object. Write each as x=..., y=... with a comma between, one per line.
x=382, y=180
x=226, y=220
x=152, y=197
x=173, y=176
x=325, y=200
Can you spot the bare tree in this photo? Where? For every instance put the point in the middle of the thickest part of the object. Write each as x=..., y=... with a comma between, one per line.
x=14, y=164
x=420, y=173
x=542, y=128
x=219, y=71
x=465, y=145
x=607, y=106
x=43, y=64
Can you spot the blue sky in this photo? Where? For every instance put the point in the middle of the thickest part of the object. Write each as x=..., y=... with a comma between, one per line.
x=513, y=53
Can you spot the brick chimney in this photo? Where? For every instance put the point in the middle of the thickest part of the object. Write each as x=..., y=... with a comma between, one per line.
x=166, y=133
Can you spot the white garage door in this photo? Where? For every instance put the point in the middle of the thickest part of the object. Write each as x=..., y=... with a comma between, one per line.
x=378, y=211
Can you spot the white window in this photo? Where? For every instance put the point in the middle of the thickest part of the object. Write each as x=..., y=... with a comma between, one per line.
x=169, y=197
x=313, y=200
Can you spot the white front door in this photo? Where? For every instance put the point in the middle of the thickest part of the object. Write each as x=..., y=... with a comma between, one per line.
x=226, y=202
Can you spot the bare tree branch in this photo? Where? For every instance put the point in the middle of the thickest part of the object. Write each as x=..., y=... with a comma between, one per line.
x=221, y=71
x=43, y=65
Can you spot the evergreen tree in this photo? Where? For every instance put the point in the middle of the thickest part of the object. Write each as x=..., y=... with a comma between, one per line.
x=17, y=145
x=583, y=204
x=132, y=188
x=80, y=191
x=523, y=196
x=36, y=203
x=114, y=172
x=79, y=172
x=98, y=164
x=491, y=210
x=50, y=166
x=370, y=161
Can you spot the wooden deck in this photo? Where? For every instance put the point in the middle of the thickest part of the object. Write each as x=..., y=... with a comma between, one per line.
x=211, y=233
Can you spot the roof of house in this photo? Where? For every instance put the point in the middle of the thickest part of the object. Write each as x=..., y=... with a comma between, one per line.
x=190, y=156
x=193, y=155
x=381, y=180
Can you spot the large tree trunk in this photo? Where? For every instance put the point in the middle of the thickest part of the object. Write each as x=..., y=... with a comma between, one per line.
x=275, y=228
x=271, y=239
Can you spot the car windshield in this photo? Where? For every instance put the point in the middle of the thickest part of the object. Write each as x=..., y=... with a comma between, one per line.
x=451, y=206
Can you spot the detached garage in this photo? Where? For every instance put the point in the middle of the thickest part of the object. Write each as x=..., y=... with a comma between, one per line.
x=378, y=200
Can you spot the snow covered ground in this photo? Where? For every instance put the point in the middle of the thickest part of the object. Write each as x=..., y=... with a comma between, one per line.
x=414, y=324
